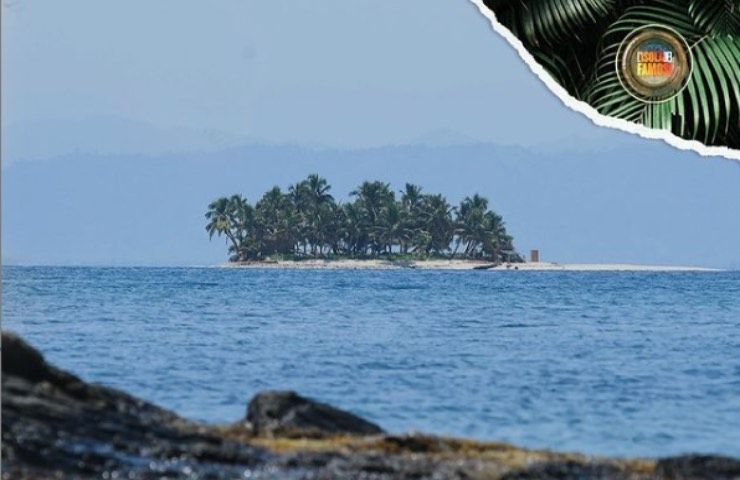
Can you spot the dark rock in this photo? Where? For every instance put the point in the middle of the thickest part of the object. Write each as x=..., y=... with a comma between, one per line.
x=568, y=470
x=21, y=360
x=55, y=425
x=695, y=467
x=287, y=413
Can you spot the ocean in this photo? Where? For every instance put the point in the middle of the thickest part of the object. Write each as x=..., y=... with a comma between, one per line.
x=644, y=364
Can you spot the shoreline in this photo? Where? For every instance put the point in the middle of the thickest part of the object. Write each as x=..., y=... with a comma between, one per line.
x=459, y=264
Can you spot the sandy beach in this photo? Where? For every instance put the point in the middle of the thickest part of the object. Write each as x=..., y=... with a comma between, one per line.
x=441, y=264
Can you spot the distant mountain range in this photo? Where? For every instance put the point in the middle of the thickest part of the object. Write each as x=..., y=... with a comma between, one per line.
x=623, y=200
x=106, y=136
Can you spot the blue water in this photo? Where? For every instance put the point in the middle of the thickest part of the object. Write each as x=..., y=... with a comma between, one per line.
x=610, y=363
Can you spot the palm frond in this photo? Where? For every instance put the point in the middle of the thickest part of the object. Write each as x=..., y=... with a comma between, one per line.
x=578, y=42
x=567, y=68
x=707, y=110
x=718, y=17
x=551, y=22
x=710, y=105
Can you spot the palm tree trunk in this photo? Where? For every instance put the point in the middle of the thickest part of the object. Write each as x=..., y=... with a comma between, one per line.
x=231, y=237
x=457, y=246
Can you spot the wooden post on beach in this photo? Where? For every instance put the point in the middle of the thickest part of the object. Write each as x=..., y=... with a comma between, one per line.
x=534, y=256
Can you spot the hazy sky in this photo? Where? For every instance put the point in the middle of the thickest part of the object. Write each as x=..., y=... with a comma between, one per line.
x=128, y=117
x=330, y=72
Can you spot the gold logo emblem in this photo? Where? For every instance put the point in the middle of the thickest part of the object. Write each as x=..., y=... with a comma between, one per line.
x=654, y=63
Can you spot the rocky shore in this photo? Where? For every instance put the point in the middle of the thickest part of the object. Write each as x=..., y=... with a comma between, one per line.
x=54, y=425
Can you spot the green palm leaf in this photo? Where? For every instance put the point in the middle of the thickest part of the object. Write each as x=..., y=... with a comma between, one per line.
x=707, y=110
x=716, y=16
x=551, y=22
x=566, y=69
x=555, y=32
x=606, y=93
x=711, y=101
x=560, y=33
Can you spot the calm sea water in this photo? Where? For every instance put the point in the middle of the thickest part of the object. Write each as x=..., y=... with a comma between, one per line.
x=610, y=363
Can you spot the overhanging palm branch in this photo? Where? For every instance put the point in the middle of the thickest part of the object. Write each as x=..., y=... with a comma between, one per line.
x=707, y=107
x=720, y=17
x=556, y=31
x=607, y=94
x=577, y=42
x=550, y=22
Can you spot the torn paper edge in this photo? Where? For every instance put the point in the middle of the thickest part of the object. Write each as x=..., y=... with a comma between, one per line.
x=589, y=111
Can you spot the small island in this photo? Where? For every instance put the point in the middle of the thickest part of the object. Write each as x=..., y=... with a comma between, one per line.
x=307, y=223
x=305, y=227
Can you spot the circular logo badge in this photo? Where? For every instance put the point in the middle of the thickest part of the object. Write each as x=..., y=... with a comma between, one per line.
x=654, y=63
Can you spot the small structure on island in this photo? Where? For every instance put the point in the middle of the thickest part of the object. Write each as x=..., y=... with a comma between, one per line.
x=534, y=256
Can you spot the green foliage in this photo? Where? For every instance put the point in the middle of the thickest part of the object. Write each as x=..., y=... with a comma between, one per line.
x=716, y=16
x=577, y=42
x=307, y=222
x=550, y=22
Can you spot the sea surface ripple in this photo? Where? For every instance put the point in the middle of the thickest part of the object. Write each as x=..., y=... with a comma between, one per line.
x=612, y=363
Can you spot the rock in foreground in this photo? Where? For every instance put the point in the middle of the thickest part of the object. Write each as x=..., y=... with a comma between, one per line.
x=58, y=426
x=288, y=414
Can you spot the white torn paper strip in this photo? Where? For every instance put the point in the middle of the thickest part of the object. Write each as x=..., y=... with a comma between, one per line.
x=586, y=109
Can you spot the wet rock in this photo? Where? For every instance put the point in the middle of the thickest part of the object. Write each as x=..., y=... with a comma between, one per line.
x=692, y=467
x=21, y=360
x=287, y=413
x=56, y=425
x=568, y=470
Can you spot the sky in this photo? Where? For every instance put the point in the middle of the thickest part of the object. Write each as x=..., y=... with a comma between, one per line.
x=130, y=107
x=331, y=73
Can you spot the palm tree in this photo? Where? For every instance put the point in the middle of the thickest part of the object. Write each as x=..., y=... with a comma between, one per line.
x=371, y=198
x=411, y=201
x=321, y=202
x=472, y=230
x=497, y=238
x=319, y=188
x=374, y=223
x=301, y=198
x=577, y=42
x=436, y=218
x=470, y=224
x=233, y=217
x=476, y=202
x=242, y=221
x=313, y=203
x=277, y=223
x=219, y=219
x=482, y=231
x=333, y=227
x=392, y=228
x=411, y=197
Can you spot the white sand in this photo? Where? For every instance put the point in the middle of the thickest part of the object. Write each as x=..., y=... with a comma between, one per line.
x=604, y=267
x=344, y=264
x=349, y=264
